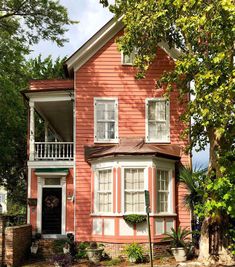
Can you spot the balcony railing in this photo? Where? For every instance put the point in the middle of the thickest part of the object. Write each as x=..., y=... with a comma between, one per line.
x=53, y=151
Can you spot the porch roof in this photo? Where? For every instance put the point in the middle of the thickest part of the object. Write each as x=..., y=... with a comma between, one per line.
x=133, y=146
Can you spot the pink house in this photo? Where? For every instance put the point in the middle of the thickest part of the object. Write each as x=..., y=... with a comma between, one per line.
x=108, y=137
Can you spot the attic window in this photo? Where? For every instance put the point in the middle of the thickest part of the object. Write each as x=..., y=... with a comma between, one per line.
x=128, y=59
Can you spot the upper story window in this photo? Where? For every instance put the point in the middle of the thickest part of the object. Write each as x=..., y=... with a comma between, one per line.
x=158, y=120
x=134, y=190
x=164, y=192
x=128, y=59
x=106, y=120
x=103, y=191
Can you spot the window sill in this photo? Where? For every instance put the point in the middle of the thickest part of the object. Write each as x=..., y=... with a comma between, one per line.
x=163, y=214
x=116, y=141
x=156, y=141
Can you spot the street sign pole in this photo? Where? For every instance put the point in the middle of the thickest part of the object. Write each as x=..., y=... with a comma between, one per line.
x=147, y=204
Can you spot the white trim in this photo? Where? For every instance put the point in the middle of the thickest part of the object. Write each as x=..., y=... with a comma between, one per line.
x=29, y=193
x=31, y=129
x=156, y=140
x=49, y=163
x=74, y=156
x=52, y=175
x=116, y=138
x=40, y=186
x=82, y=55
x=50, y=96
x=98, y=40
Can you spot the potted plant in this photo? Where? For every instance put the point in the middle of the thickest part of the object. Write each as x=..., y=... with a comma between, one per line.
x=178, y=245
x=135, y=218
x=134, y=253
x=94, y=252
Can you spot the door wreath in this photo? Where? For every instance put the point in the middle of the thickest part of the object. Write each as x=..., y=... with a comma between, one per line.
x=51, y=201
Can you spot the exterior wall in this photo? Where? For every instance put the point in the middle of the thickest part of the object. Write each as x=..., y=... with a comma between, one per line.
x=69, y=209
x=17, y=244
x=104, y=76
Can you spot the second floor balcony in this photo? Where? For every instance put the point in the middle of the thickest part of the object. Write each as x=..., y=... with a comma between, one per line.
x=51, y=116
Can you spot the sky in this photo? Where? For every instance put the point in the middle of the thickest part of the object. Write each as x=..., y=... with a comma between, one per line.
x=91, y=16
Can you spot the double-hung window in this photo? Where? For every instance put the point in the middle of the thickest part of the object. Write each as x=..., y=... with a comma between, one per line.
x=106, y=120
x=128, y=59
x=164, y=198
x=134, y=190
x=158, y=120
x=103, y=200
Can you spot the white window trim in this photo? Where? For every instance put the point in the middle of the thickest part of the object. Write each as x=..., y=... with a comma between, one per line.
x=167, y=140
x=96, y=211
x=170, y=190
x=124, y=63
x=134, y=166
x=116, y=138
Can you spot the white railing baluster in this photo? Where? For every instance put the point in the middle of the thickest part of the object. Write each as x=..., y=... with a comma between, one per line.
x=53, y=151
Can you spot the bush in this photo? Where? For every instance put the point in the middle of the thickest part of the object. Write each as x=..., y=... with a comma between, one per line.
x=112, y=262
x=134, y=218
x=134, y=252
x=81, y=248
x=58, y=245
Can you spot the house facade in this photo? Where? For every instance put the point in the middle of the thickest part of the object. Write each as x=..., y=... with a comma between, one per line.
x=107, y=138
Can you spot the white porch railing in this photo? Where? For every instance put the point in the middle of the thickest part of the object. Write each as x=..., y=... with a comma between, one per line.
x=53, y=151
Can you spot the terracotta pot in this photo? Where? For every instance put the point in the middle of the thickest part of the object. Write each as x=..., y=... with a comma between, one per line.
x=179, y=254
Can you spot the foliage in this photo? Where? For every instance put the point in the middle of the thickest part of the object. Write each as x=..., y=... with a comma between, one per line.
x=134, y=218
x=177, y=237
x=63, y=260
x=81, y=248
x=112, y=262
x=201, y=34
x=58, y=245
x=194, y=181
x=13, y=120
x=135, y=251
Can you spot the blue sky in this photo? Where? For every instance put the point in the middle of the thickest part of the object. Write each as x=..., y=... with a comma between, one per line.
x=92, y=16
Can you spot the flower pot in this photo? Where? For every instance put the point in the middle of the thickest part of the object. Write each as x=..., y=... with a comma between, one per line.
x=34, y=248
x=94, y=255
x=179, y=254
x=132, y=259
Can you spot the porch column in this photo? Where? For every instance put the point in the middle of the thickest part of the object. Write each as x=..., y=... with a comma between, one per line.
x=31, y=131
x=46, y=130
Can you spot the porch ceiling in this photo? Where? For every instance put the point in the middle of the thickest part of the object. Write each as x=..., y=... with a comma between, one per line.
x=59, y=114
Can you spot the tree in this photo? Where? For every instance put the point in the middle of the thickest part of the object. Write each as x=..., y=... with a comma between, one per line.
x=204, y=34
x=13, y=119
x=22, y=24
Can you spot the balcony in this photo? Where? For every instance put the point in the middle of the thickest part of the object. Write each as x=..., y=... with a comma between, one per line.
x=53, y=151
x=51, y=116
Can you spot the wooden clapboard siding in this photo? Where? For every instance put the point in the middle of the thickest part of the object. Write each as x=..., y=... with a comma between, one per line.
x=104, y=76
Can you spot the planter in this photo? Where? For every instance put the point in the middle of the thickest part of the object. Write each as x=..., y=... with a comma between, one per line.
x=179, y=254
x=132, y=259
x=34, y=248
x=94, y=254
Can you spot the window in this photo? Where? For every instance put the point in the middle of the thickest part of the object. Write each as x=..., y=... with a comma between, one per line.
x=106, y=117
x=134, y=190
x=128, y=59
x=104, y=191
x=2, y=198
x=163, y=191
x=158, y=121
x=52, y=181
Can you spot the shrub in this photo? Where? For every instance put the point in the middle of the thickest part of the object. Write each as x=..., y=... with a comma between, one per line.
x=134, y=218
x=81, y=254
x=58, y=245
x=177, y=237
x=112, y=262
x=135, y=252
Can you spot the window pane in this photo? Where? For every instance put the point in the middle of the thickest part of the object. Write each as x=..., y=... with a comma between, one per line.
x=110, y=130
x=161, y=110
x=134, y=190
x=101, y=130
x=152, y=110
x=110, y=111
x=162, y=190
x=52, y=181
x=161, y=130
x=100, y=111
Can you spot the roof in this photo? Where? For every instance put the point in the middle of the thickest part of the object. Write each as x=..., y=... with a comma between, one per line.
x=99, y=39
x=132, y=146
x=51, y=84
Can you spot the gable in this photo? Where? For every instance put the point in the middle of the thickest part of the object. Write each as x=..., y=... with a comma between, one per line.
x=97, y=41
